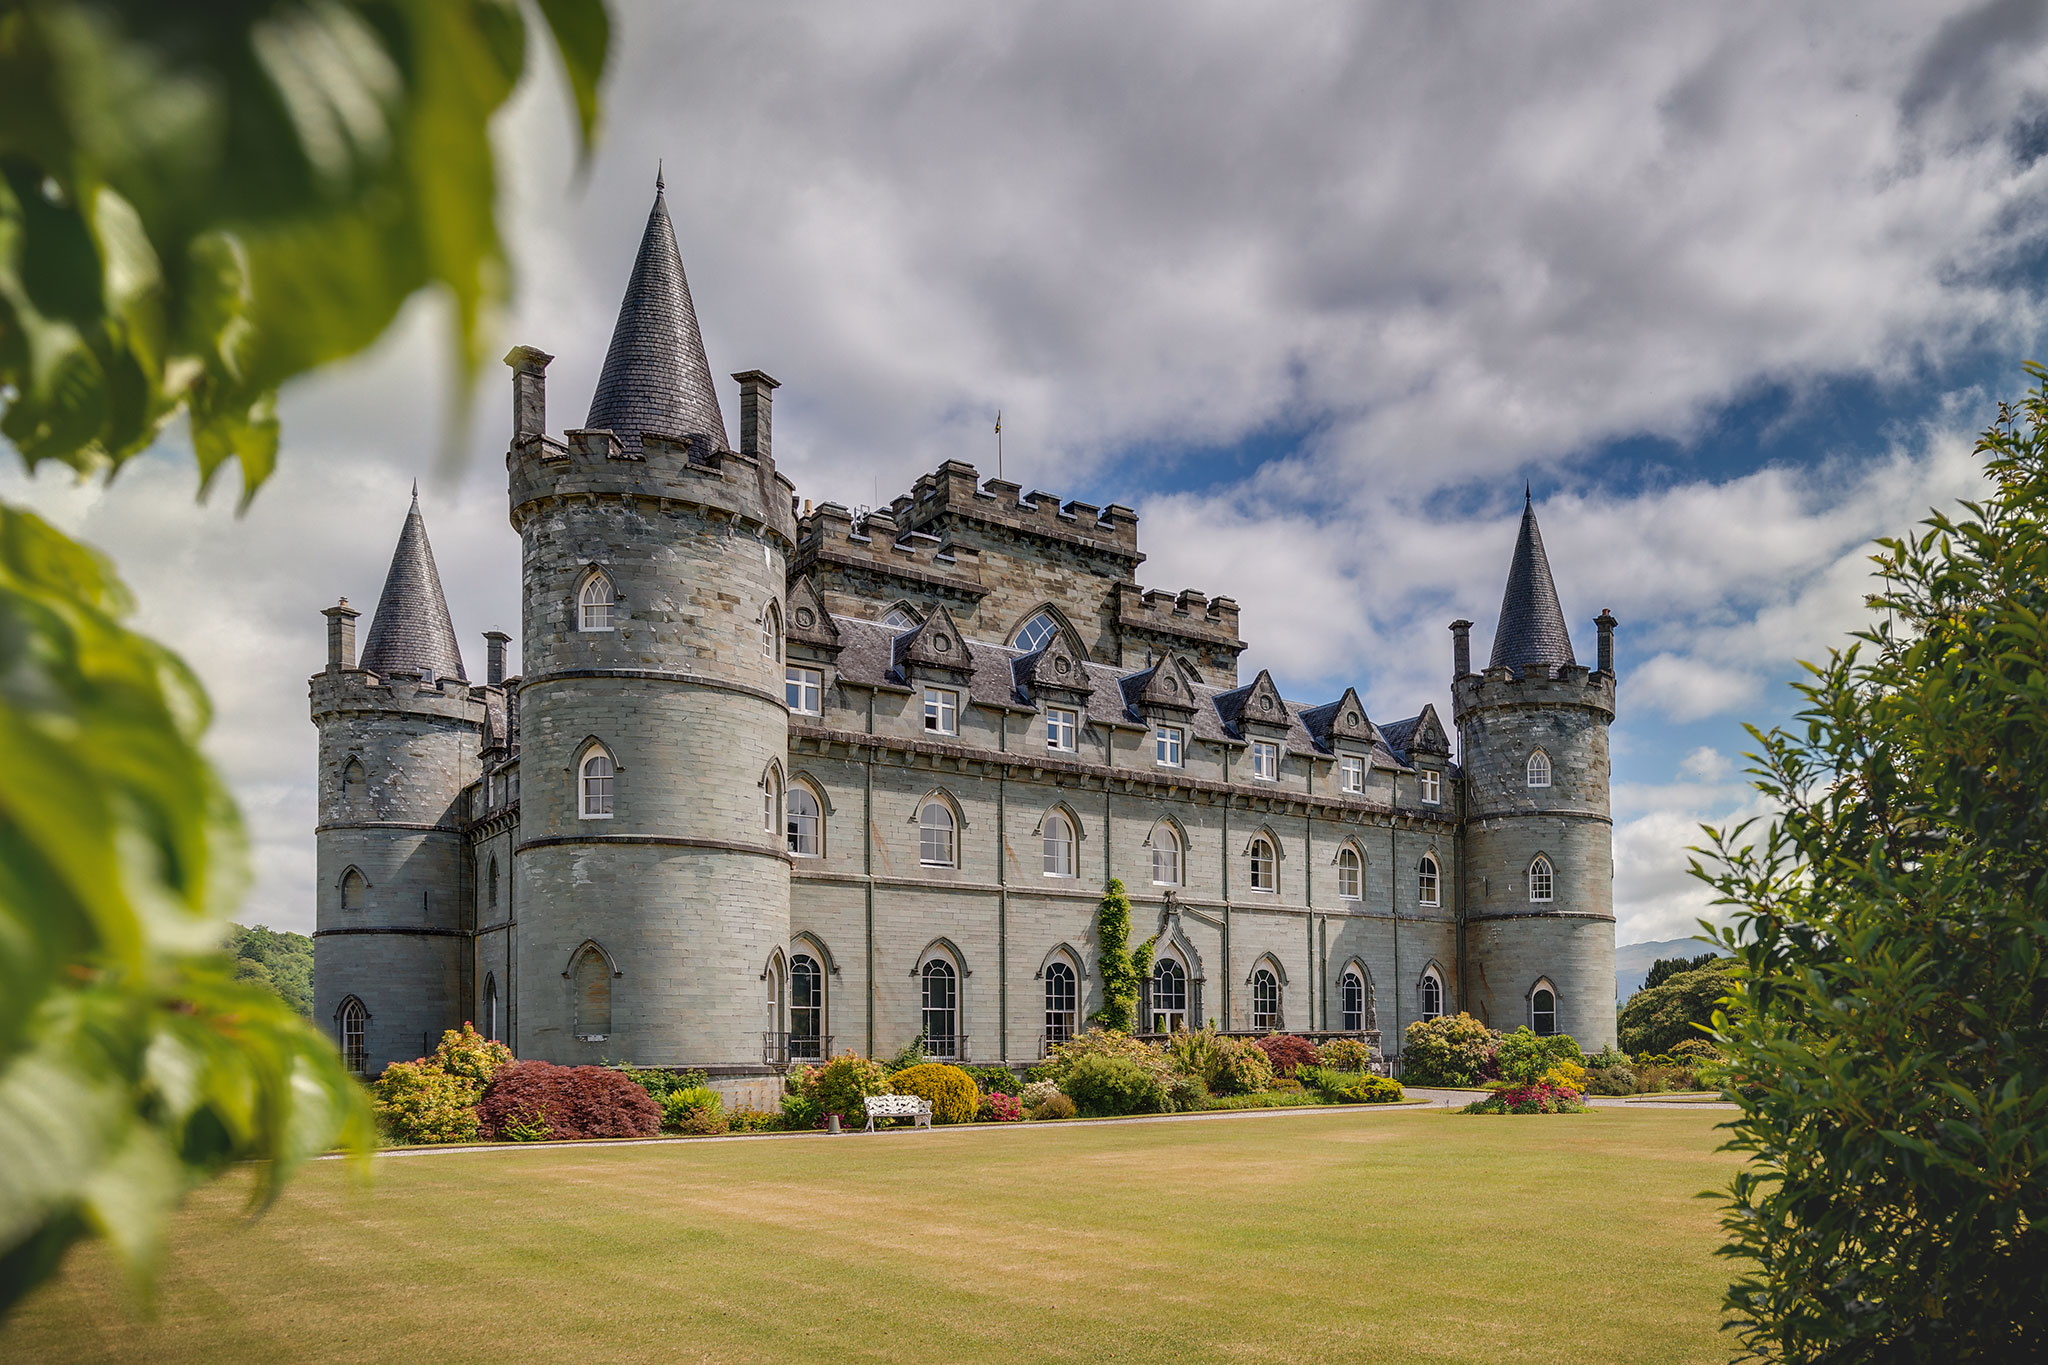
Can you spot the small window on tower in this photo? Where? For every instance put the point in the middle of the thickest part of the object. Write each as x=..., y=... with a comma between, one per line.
x=596, y=602
x=1539, y=769
x=596, y=779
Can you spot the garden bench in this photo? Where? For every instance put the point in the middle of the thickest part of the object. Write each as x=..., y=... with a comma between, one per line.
x=898, y=1107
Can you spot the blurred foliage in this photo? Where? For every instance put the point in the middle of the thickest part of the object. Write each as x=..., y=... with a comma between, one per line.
x=275, y=958
x=1887, y=1035
x=197, y=203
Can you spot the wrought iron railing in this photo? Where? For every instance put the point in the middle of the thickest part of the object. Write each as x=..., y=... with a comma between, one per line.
x=941, y=1047
x=809, y=1047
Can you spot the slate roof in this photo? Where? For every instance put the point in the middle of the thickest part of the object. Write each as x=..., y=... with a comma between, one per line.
x=1531, y=633
x=412, y=631
x=655, y=375
x=1398, y=733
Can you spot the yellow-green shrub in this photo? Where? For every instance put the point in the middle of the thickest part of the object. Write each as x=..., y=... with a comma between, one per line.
x=1345, y=1054
x=419, y=1102
x=468, y=1054
x=1566, y=1075
x=953, y=1093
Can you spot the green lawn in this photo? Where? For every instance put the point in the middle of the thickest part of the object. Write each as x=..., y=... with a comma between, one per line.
x=1351, y=1235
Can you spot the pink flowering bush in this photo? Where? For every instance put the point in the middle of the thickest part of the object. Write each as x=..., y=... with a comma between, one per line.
x=1537, y=1097
x=996, y=1107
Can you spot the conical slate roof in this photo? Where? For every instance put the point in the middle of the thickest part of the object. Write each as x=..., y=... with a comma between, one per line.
x=1531, y=633
x=412, y=631
x=655, y=375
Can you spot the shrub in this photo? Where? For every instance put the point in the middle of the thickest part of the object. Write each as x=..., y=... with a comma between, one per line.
x=1452, y=1049
x=1286, y=1051
x=1186, y=1095
x=952, y=1092
x=1100, y=1042
x=663, y=1083
x=1038, y=1092
x=1617, y=1079
x=842, y=1085
x=1345, y=1054
x=574, y=1102
x=1658, y=1019
x=1201, y=1053
x=468, y=1054
x=1123, y=969
x=1053, y=1106
x=1102, y=1085
x=1664, y=968
x=1523, y=1056
x=1566, y=1076
x=679, y=1107
x=1698, y=1048
x=1536, y=1098
x=995, y=1080
x=419, y=1102
x=1246, y=1070
x=909, y=1055
x=1322, y=1080
x=1371, y=1089
x=704, y=1123
x=996, y=1107
x=530, y=1125
x=800, y=1113
x=752, y=1121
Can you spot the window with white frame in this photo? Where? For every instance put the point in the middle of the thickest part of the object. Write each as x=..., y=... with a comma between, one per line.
x=1540, y=879
x=1432, y=995
x=1168, y=1006
x=936, y=841
x=803, y=689
x=595, y=603
x=1033, y=634
x=1265, y=865
x=1432, y=784
x=806, y=822
x=1167, y=746
x=899, y=619
x=1351, y=773
x=1265, y=1001
x=1543, y=1011
x=1539, y=769
x=941, y=711
x=1427, y=889
x=941, y=1010
x=1060, y=728
x=354, y=1023
x=1059, y=845
x=771, y=632
x=806, y=1007
x=1351, y=994
x=595, y=778
x=1165, y=856
x=1061, y=1003
x=1265, y=761
x=1350, y=875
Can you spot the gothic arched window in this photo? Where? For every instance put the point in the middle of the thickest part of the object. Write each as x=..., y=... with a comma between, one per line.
x=1427, y=888
x=806, y=822
x=1265, y=1001
x=595, y=777
x=806, y=1008
x=1265, y=865
x=1543, y=1011
x=491, y=1006
x=1166, y=859
x=354, y=1021
x=1061, y=1001
x=1169, y=1006
x=1351, y=993
x=1432, y=995
x=936, y=829
x=941, y=1009
x=355, y=890
x=591, y=980
x=1059, y=845
x=1539, y=769
x=1350, y=875
x=491, y=882
x=771, y=632
x=594, y=603
x=1032, y=635
x=1540, y=879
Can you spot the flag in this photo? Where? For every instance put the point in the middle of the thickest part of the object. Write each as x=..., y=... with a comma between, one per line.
x=999, y=421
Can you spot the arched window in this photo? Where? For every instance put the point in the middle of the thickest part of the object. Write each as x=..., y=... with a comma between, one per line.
x=354, y=1020
x=1169, y=1006
x=355, y=788
x=1061, y=1002
x=491, y=884
x=491, y=1006
x=1540, y=879
x=1265, y=865
x=771, y=632
x=941, y=1010
x=899, y=618
x=771, y=801
x=1426, y=881
x=806, y=1008
x=1432, y=995
x=1059, y=845
x=591, y=981
x=1539, y=769
x=1543, y=1011
x=1265, y=1001
x=774, y=980
x=594, y=603
x=595, y=778
x=1350, y=875
x=806, y=822
x=1165, y=855
x=1033, y=634
x=935, y=835
x=355, y=890
x=1351, y=994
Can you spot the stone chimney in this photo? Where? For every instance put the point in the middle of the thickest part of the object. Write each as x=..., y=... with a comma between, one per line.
x=529, y=390
x=1461, y=648
x=494, y=657
x=341, y=636
x=757, y=392
x=1605, y=624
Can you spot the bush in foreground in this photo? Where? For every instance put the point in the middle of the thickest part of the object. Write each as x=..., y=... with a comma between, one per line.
x=1102, y=1086
x=1540, y=1097
x=1286, y=1051
x=1452, y=1049
x=1345, y=1054
x=1053, y=1106
x=419, y=1102
x=697, y=1110
x=954, y=1096
x=996, y=1107
x=571, y=1101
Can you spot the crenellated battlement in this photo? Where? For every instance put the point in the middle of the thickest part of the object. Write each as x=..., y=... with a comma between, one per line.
x=596, y=463
x=1571, y=685
x=955, y=489
x=829, y=535
x=344, y=691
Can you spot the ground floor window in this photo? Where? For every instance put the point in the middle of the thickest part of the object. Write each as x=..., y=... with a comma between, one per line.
x=353, y=1018
x=1061, y=998
x=1265, y=1001
x=1352, y=991
x=941, y=1010
x=1169, y=1005
x=1432, y=996
x=806, y=1008
x=1543, y=1012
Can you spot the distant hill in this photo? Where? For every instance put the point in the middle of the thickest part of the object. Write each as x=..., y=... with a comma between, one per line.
x=279, y=959
x=1632, y=960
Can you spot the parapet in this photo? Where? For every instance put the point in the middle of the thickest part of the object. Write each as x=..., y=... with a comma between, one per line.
x=1188, y=614
x=691, y=471
x=954, y=489
x=1571, y=685
x=828, y=536
x=358, y=690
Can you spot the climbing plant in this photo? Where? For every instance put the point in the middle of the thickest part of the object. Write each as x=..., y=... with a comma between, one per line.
x=1123, y=968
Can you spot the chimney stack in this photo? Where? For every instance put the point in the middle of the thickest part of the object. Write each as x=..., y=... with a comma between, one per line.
x=756, y=397
x=494, y=657
x=1461, y=649
x=1605, y=624
x=341, y=636
x=529, y=390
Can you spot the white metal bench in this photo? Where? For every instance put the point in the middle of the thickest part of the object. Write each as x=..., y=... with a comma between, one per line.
x=898, y=1107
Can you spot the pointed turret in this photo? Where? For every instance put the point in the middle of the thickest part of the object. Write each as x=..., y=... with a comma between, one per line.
x=1531, y=633
x=412, y=631
x=655, y=375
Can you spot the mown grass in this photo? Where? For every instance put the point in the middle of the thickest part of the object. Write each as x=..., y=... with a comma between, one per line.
x=1356, y=1234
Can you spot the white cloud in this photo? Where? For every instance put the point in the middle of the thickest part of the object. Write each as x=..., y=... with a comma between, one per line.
x=1706, y=764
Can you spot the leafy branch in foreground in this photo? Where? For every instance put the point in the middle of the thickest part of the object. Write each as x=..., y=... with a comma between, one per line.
x=1887, y=1028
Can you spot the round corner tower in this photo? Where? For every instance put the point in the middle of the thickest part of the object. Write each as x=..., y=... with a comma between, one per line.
x=1538, y=868
x=653, y=873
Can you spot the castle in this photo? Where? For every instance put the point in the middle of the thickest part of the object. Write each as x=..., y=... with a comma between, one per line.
x=771, y=786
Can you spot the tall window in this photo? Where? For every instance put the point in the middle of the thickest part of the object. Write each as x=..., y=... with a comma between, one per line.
x=1165, y=856
x=771, y=632
x=1350, y=875
x=353, y=1019
x=1543, y=1012
x=1432, y=783
x=591, y=980
x=492, y=882
x=1059, y=846
x=1166, y=746
x=1351, y=994
x=1539, y=769
x=935, y=835
x=1060, y=725
x=1265, y=1001
x=595, y=603
x=598, y=772
x=803, y=689
x=771, y=801
x=1061, y=1000
x=1426, y=879
x=941, y=1010
x=1539, y=879
x=355, y=788
x=355, y=890
x=806, y=822
x=806, y=1008
x=1169, y=1008
x=1265, y=761
x=491, y=1006
x=941, y=711
x=1432, y=995
x=1265, y=865
x=1351, y=773
x=1035, y=632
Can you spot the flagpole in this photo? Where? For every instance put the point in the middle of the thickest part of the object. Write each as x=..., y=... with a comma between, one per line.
x=999, y=443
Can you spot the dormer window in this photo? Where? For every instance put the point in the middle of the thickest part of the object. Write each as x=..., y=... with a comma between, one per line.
x=1031, y=637
x=1265, y=761
x=1539, y=769
x=900, y=619
x=1432, y=784
x=1167, y=744
x=595, y=603
x=1351, y=774
x=1060, y=725
x=941, y=711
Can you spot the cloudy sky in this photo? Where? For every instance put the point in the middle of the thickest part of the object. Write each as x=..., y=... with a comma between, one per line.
x=1316, y=290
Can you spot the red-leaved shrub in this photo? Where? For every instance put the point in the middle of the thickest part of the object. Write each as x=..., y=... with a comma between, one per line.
x=1287, y=1052
x=573, y=1101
